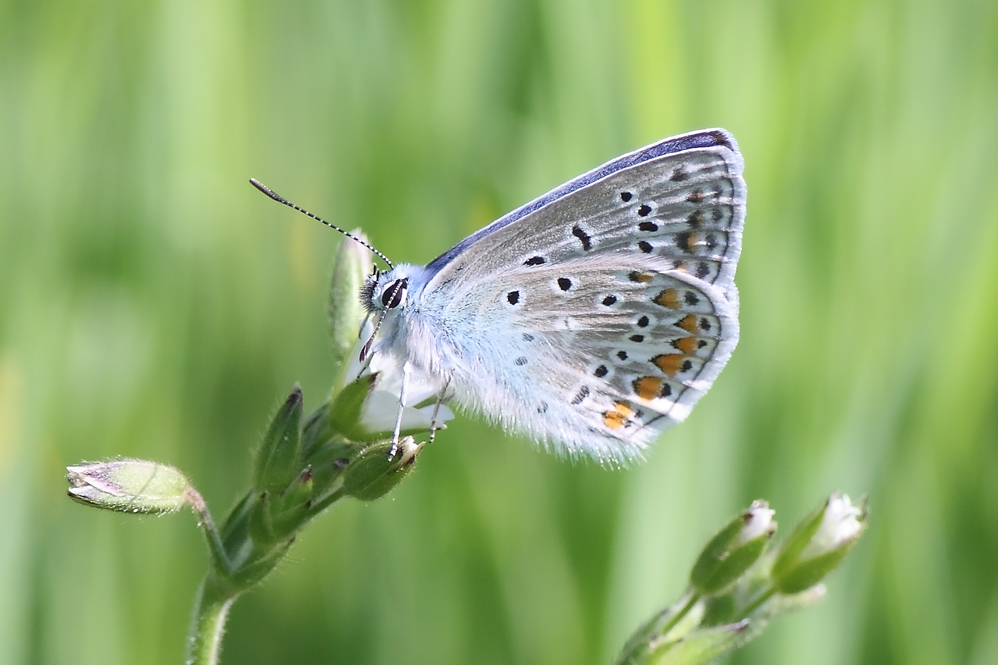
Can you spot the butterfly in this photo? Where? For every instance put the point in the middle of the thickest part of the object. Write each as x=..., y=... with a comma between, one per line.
x=590, y=319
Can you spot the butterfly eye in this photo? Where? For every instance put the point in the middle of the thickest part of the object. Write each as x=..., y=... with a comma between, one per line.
x=392, y=296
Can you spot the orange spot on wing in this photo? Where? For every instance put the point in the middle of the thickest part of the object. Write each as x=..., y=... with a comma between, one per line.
x=618, y=416
x=668, y=298
x=688, y=323
x=669, y=362
x=613, y=420
x=624, y=408
x=648, y=387
x=641, y=277
x=687, y=345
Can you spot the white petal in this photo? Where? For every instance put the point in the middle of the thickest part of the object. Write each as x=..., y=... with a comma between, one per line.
x=839, y=525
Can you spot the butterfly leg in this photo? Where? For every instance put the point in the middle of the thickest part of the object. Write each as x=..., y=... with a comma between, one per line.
x=406, y=370
x=436, y=410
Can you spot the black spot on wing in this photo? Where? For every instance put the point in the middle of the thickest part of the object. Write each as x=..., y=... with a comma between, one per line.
x=582, y=236
x=683, y=242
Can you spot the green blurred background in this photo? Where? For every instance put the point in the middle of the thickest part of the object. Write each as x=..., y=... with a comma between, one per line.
x=153, y=304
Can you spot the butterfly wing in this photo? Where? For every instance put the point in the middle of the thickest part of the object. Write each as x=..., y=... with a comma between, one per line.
x=596, y=316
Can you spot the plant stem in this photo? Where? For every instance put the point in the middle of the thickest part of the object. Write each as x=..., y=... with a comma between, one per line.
x=674, y=621
x=211, y=608
x=757, y=603
x=211, y=535
x=325, y=502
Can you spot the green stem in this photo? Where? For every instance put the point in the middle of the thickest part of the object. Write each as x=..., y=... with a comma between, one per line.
x=677, y=617
x=757, y=603
x=211, y=534
x=325, y=502
x=204, y=639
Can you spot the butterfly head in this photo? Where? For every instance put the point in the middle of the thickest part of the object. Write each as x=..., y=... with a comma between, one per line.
x=385, y=291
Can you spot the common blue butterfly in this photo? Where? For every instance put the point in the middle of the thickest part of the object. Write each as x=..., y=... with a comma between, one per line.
x=590, y=319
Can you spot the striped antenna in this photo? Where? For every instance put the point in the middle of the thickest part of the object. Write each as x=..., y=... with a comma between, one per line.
x=280, y=199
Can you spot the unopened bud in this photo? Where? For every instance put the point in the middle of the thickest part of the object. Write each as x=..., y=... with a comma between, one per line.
x=371, y=474
x=278, y=460
x=346, y=313
x=818, y=545
x=734, y=549
x=128, y=486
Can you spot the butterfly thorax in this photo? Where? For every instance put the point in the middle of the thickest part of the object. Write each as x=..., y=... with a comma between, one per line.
x=406, y=333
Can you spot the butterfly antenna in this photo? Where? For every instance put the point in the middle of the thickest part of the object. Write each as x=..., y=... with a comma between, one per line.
x=280, y=199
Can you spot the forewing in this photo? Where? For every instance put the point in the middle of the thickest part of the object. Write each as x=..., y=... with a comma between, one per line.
x=687, y=207
x=598, y=319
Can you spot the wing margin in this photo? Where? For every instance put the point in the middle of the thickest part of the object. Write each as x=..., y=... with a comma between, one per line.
x=706, y=138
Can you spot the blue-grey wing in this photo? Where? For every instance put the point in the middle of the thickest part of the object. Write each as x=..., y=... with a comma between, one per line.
x=598, y=314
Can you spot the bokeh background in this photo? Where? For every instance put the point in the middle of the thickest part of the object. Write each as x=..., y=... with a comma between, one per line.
x=152, y=304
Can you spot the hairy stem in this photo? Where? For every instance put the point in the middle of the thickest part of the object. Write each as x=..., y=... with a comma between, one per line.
x=211, y=608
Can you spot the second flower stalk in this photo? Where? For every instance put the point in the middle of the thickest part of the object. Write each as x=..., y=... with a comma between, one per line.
x=737, y=583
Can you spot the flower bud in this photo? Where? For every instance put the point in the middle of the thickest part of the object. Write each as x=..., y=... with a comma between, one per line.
x=278, y=460
x=346, y=407
x=734, y=549
x=370, y=475
x=818, y=545
x=346, y=313
x=128, y=486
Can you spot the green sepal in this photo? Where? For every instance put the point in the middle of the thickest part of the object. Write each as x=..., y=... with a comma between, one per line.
x=698, y=646
x=278, y=459
x=723, y=572
x=719, y=610
x=290, y=511
x=261, y=525
x=791, y=550
x=725, y=558
x=667, y=626
x=714, y=556
x=255, y=570
x=351, y=268
x=808, y=573
x=345, y=408
x=371, y=475
x=316, y=430
x=235, y=531
x=328, y=463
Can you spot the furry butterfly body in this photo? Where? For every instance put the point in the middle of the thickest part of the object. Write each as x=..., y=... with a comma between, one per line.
x=592, y=318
